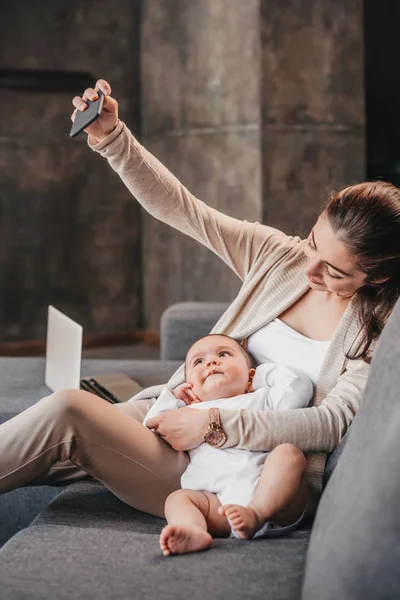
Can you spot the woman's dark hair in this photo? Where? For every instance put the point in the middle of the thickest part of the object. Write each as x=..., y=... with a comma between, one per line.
x=366, y=218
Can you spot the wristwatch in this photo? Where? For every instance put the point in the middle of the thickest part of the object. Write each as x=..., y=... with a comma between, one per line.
x=215, y=435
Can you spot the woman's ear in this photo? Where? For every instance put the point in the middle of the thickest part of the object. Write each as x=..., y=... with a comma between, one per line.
x=249, y=386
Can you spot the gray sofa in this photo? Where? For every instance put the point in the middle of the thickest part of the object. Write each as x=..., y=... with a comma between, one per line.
x=80, y=541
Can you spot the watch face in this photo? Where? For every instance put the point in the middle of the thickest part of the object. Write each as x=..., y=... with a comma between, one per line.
x=215, y=438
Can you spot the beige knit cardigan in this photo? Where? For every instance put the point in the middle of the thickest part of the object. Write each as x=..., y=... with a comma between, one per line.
x=271, y=267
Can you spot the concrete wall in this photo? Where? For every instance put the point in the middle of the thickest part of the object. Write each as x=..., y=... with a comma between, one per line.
x=256, y=106
x=69, y=230
x=312, y=104
x=201, y=118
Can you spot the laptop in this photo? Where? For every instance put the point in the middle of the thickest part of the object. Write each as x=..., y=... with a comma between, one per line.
x=64, y=362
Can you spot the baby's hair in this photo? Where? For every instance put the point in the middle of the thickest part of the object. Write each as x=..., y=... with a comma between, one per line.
x=249, y=359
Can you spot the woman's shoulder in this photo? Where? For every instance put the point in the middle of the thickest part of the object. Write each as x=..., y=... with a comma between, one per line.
x=275, y=241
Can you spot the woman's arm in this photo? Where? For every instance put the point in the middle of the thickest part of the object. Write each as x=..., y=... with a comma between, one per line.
x=238, y=243
x=314, y=429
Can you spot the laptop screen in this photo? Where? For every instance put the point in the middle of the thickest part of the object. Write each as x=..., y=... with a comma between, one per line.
x=63, y=351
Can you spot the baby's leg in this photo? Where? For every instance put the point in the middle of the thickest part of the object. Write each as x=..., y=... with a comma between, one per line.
x=280, y=495
x=191, y=515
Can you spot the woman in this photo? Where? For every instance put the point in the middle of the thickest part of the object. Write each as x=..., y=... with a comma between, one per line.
x=318, y=304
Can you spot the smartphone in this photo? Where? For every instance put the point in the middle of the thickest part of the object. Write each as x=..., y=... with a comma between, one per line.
x=83, y=119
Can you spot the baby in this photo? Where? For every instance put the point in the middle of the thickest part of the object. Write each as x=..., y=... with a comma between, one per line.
x=223, y=490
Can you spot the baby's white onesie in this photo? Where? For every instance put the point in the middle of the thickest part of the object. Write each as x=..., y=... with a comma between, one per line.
x=231, y=473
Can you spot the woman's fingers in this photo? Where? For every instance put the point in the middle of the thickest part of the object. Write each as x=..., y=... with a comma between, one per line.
x=153, y=423
x=106, y=122
x=104, y=86
x=90, y=94
x=79, y=103
x=182, y=429
x=110, y=105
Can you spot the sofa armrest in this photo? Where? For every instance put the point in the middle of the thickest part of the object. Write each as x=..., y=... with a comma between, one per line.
x=184, y=323
x=358, y=515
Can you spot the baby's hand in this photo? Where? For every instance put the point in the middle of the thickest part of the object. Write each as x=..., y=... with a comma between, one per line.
x=185, y=393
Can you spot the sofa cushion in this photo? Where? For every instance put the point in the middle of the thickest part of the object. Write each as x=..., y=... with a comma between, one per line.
x=355, y=539
x=60, y=562
x=19, y=507
x=6, y=416
x=118, y=546
x=89, y=504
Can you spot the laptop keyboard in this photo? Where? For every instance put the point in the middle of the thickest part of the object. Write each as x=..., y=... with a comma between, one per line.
x=91, y=385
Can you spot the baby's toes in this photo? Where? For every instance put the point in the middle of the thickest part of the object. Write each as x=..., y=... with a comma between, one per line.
x=172, y=544
x=236, y=521
x=236, y=518
x=163, y=545
x=223, y=508
x=165, y=537
x=233, y=514
x=231, y=511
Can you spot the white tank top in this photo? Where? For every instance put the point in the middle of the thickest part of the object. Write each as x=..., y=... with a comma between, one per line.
x=282, y=344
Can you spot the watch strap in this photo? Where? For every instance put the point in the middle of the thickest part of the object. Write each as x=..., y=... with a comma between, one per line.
x=215, y=419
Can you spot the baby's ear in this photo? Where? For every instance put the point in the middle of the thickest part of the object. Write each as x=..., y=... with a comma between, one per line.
x=249, y=386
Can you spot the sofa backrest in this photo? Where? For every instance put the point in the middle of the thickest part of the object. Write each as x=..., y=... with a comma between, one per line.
x=354, y=550
x=184, y=323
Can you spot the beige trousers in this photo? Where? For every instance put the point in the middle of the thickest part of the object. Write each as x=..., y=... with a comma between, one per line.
x=73, y=435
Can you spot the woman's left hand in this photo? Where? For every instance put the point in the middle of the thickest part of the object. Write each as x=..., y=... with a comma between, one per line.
x=183, y=429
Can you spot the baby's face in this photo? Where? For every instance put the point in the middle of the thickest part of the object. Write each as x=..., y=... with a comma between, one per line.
x=217, y=368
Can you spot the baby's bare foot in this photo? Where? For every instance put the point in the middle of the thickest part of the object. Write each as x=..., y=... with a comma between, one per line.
x=179, y=539
x=243, y=519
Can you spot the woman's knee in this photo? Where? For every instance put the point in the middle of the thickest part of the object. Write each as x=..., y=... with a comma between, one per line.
x=290, y=453
x=69, y=401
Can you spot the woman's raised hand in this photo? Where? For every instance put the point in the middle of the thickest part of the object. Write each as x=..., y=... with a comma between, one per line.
x=108, y=119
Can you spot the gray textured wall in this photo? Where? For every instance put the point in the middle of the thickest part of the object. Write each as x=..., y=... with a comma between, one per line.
x=201, y=118
x=69, y=230
x=312, y=103
x=256, y=106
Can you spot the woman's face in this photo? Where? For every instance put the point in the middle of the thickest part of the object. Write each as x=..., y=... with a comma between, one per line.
x=330, y=267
